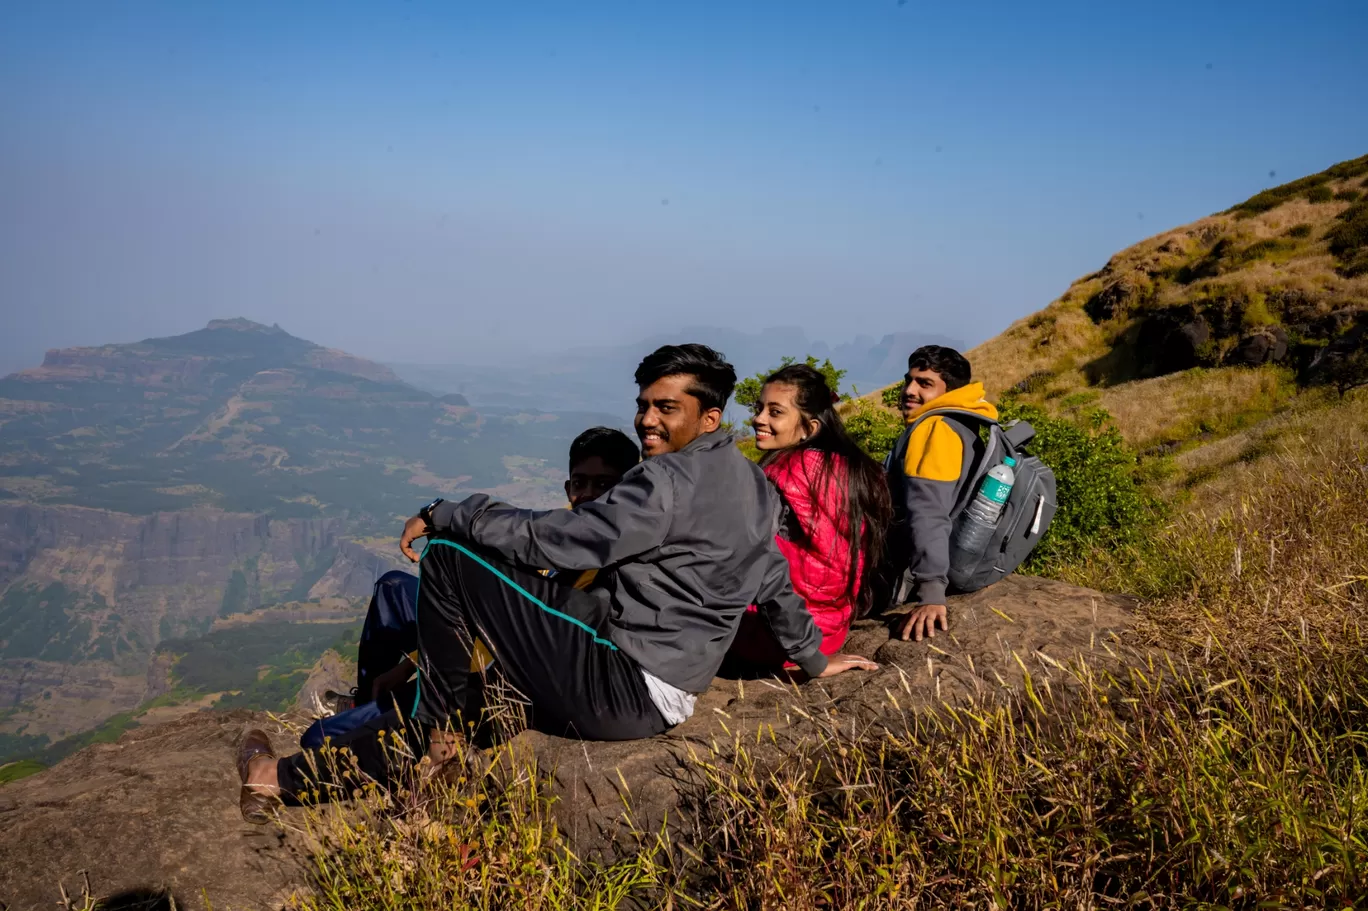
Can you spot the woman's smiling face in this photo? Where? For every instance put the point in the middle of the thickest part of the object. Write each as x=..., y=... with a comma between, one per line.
x=778, y=423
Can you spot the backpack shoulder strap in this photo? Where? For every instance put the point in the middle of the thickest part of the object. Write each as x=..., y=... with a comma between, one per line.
x=961, y=414
x=993, y=452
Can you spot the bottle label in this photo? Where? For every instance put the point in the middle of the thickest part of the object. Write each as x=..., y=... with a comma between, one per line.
x=995, y=490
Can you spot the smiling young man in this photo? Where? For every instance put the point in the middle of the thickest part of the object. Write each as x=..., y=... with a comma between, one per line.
x=926, y=471
x=685, y=541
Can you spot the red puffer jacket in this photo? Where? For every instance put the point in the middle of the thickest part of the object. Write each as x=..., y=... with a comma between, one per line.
x=818, y=555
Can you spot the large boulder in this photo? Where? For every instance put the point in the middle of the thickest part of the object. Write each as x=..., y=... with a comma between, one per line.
x=1265, y=345
x=158, y=808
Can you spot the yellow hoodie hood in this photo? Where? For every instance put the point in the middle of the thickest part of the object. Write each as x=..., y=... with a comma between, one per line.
x=965, y=398
x=934, y=450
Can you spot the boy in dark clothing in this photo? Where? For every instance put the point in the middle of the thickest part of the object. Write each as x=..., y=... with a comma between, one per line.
x=927, y=470
x=684, y=543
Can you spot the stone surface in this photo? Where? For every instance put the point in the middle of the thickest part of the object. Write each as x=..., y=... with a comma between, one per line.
x=1265, y=345
x=158, y=809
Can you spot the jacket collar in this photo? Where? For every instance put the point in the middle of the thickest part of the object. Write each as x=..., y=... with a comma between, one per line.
x=706, y=441
x=965, y=398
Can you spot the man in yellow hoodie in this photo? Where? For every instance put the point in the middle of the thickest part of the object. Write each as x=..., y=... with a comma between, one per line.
x=927, y=470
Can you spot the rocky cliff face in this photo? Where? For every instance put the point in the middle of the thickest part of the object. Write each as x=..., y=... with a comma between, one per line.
x=88, y=595
x=177, y=565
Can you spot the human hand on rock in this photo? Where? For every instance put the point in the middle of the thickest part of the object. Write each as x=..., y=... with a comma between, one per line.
x=839, y=664
x=923, y=620
x=414, y=529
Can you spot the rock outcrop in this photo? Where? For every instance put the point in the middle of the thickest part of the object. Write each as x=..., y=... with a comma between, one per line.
x=158, y=808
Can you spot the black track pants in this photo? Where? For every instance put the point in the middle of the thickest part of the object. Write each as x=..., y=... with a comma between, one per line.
x=552, y=656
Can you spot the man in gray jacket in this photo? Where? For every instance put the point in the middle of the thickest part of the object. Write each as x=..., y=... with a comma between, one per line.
x=684, y=543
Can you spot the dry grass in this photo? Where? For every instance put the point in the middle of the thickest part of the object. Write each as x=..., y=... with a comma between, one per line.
x=1272, y=535
x=485, y=839
x=1182, y=406
x=1057, y=339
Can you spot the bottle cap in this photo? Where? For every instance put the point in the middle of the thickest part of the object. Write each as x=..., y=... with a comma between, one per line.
x=1009, y=462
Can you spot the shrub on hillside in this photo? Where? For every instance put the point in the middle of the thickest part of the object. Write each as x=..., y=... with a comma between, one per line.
x=875, y=429
x=1262, y=249
x=1299, y=231
x=1351, y=234
x=748, y=390
x=1321, y=193
x=1033, y=382
x=1272, y=198
x=892, y=396
x=1348, y=196
x=1101, y=501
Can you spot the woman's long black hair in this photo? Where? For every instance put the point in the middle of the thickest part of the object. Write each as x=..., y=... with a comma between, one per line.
x=863, y=498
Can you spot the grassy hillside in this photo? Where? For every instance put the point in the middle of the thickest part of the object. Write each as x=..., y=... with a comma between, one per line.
x=1281, y=278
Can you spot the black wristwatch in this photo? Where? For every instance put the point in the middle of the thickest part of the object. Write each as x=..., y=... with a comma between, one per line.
x=426, y=513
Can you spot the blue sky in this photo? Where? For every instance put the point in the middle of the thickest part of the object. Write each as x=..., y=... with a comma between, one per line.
x=418, y=181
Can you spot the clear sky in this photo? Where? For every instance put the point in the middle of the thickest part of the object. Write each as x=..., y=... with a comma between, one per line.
x=455, y=181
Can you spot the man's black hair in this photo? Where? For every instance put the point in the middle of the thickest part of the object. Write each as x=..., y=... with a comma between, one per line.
x=613, y=446
x=952, y=366
x=713, y=377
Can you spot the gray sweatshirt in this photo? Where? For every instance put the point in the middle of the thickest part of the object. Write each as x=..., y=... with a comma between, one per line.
x=688, y=542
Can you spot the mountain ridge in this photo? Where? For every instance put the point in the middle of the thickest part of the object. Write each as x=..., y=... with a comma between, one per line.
x=599, y=377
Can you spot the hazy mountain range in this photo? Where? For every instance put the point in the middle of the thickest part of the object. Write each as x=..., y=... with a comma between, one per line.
x=600, y=378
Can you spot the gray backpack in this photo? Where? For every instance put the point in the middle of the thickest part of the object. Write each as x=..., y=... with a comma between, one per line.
x=1025, y=517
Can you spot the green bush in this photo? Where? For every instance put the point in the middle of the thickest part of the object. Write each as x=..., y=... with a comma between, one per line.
x=1351, y=234
x=1101, y=501
x=1299, y=231
x=1348, y=196
x=892, y=396
x=22, y=769
x=1272, y=198
x=1262, y=249
x=1321, y=193
x=875, y=429
x=748, y=390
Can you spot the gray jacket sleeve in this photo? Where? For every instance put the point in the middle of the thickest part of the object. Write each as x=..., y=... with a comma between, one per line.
x=933, y=475
x=929, y=504
x=788, y=616
x=630, y=519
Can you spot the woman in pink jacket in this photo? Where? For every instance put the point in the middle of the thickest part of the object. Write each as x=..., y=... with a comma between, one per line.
x=836, y=510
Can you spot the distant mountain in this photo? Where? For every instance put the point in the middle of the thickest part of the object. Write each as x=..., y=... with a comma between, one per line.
x=248, y=418
x=169, y=488
x=600, y=378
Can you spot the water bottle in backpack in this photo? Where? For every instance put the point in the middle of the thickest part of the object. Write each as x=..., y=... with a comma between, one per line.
x=979, y=521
